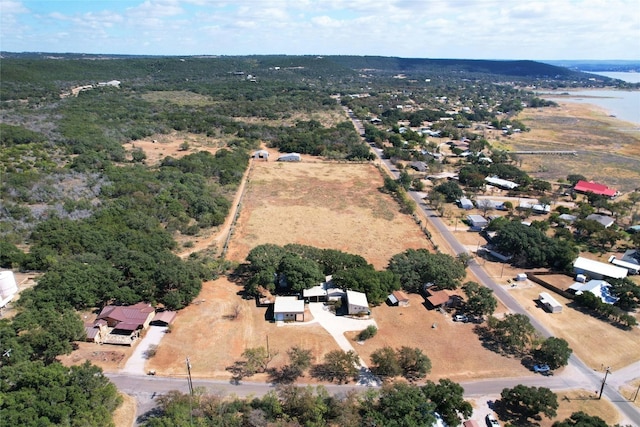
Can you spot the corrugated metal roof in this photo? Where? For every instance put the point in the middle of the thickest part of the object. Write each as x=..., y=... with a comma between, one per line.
x=601, y=268
x=357, y=298
x=288, y=305
x=595, y=188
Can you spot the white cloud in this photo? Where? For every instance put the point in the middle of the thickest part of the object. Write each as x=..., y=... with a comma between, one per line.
x=537, y=29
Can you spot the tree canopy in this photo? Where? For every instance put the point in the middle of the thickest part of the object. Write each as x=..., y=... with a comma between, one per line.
x=416, y=267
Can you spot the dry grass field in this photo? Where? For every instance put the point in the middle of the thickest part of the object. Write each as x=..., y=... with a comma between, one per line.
x=596, y=342
x=213, y=341
x=327, y=205
x=608, y=149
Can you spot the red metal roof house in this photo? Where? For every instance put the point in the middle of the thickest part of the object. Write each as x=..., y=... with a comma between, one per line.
x=595, y=188
x=129, y=318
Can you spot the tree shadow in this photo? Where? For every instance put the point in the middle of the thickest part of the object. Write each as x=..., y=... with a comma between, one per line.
x=288, y=374
x=238, y=371
x=514, y=415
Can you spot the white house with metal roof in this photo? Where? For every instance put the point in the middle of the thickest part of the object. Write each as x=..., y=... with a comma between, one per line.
x=598, y=270
x=357, y=303
x=502, y=183
x=288, y=308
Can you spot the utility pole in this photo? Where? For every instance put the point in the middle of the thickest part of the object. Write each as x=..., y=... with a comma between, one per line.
x=189, y=376
x=637, y=390
x=604, y=381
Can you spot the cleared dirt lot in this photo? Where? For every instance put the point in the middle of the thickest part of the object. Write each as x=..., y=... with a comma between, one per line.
x=327, y=205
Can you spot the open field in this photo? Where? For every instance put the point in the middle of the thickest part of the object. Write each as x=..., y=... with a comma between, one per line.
x=327, y=205
x=454, y=349
x=608, y=149
x=159, y=146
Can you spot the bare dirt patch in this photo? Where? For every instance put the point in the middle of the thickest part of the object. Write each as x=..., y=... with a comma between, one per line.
x=327, y=205
x=453, y=348
x=110, y=358
x=159, y=146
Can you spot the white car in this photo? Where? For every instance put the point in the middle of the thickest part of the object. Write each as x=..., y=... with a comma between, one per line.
x=491, y=421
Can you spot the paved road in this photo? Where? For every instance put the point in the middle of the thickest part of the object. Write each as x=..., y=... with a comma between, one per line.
x=586, y=377
x=575, y=375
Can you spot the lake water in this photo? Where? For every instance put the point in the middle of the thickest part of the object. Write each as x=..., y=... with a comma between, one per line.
x=627, y=77
x=623, y=104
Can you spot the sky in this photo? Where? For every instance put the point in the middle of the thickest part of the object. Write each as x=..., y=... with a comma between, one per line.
x=470, y=29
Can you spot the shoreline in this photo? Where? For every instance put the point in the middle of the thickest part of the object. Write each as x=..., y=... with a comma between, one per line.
x=592, y=100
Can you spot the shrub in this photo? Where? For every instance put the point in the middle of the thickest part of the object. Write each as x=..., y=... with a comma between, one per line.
x=369, y=332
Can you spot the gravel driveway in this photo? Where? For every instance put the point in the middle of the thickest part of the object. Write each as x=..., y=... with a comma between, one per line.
x=337, y=326
x=135, y=364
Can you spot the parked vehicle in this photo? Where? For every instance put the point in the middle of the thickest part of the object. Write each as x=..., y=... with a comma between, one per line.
x=542, y=369
x=491, y=421
x=461, y=318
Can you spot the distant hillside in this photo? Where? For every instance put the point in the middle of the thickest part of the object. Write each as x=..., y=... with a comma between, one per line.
x=528, y=69
x=381, y=64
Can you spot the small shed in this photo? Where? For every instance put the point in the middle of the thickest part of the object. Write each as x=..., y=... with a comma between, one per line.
x=398, y=298
x=465, y=203
x=521, y=277
x=549, y=303
x=357, y=303
x=290, y=157
x=477, y=222
x=288, y=308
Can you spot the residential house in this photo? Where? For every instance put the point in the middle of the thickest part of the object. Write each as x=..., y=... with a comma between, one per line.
x=477, y=222
x=595, y=188
x=570, y=219
x=599, y=288
x=288, y=308
x=502, y=183
x=605, y=220
x=357, y=303
x=465, y=203
x=598, y=270
x=123, y=323
x=419, y=166
x=632, y=256
x=398, y=298
x=438, y=299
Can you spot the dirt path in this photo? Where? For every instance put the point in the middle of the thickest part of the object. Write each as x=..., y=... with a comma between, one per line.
x=219, y=239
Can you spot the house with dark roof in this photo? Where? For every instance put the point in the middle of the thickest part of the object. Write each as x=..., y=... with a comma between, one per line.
x=595, y=188
x=123, y=323
x=438, y=299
